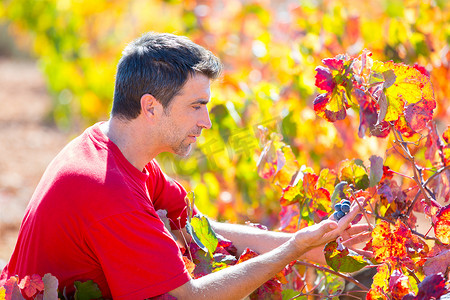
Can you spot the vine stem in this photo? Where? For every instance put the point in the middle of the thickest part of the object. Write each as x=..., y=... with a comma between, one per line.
x=363, y=211
x=325, y=269
x=417, y=176
x=437, y=173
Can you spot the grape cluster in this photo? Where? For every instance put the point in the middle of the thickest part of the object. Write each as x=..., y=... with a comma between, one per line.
x=341, y=209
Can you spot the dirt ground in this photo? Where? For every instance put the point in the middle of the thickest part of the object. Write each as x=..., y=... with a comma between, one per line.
x=28, y=143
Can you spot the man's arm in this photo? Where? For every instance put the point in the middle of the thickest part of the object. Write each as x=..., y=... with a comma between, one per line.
x=262, y=241
x=240, y=280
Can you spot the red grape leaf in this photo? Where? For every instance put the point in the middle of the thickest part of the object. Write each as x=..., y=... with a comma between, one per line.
x=12, y=290
x=31, y=285
x=331, y=106
x=421, y=69
x=344, y=260
x=306, y=192
x=272, y=287
x=446, y=135
x=437, y=264
x=432, y=287
x=389, y=241
x=433, y=143
x=289, y=217
x=334, y=63
x=380, y=283
x=404, y=127
x=418, y=114
x=442, y=225
x=324, y=79
x=398, y=284
x=190, y=266
x=353, y=172
x=368, y=116
x=387, y=173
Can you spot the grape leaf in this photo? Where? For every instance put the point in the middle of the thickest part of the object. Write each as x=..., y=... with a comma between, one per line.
x=398, y=284
x=433, y=143
x=432, y=287
x=437, y=264
x=202, y=233
x=442, y=225
x=352, y=172
x=290, y=167
x=331, y=106
x=376, y=170
x=336, y=63
x=368, y=116
x=87, y=290
x=380, y=283
x=50, y=287
x=388, y=241
x=327, y=179
x=410, y=87
x=267, y=161
x=31, y=285
x=315, y=201
x=190, y=266
x=289, y=217
x=12, y=290
x=418, y=114
x=339, y=192
x=410, y=84
x=324, y=79
x=344, y=260
x=446, y=135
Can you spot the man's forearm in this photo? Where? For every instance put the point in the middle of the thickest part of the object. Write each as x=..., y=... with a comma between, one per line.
x=261, y=241
x=238, y=281
x=244, y=236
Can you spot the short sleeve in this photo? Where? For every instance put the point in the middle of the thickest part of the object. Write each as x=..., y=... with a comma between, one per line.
x=167, y=194
x=137, y=254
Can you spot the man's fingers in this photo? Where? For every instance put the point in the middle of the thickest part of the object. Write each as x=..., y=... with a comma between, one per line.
x=360, y=238
x=358, y=228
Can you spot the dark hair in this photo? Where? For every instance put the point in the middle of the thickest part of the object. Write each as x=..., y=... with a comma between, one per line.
x=158, y=64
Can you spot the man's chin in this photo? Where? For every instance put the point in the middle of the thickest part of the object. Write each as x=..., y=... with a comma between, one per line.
x=184, y=152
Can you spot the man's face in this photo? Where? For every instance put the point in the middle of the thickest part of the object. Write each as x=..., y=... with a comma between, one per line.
x=186, y=116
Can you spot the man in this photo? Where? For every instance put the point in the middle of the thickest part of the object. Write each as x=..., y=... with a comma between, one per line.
x=93, y=215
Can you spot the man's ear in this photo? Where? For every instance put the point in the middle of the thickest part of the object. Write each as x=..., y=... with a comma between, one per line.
x=150, y=107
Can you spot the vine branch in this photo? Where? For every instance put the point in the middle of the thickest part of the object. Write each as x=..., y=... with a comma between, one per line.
x=325, y=269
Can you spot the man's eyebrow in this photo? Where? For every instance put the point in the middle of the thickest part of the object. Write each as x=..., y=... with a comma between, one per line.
x=201, y=101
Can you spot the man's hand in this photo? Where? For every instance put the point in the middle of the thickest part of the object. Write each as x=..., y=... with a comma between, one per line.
x=328, y=230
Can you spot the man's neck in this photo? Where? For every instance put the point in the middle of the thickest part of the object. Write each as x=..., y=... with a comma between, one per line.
x=129, y=137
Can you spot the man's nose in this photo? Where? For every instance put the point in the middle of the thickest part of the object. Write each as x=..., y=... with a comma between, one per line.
x=205, y=121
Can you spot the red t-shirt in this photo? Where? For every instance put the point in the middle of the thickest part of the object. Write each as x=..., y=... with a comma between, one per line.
x=93, y=216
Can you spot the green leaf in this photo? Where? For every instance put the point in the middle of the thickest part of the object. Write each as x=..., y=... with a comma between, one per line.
x=352, y=172
x=202, y=233
x=344, y=260
x=87, y=290
x=288, y=294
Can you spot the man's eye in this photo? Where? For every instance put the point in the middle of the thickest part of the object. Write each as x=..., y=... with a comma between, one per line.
x=197, y=107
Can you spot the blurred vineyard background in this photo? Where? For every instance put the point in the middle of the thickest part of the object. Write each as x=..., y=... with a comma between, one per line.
x=270, y=50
